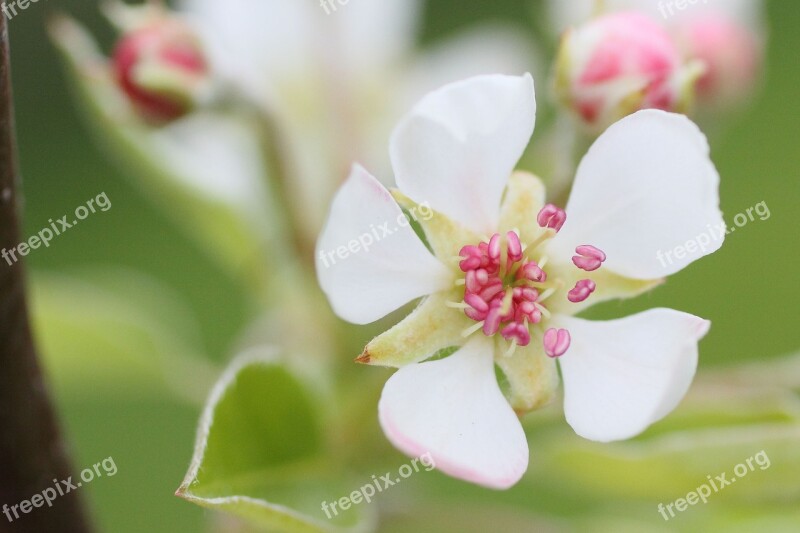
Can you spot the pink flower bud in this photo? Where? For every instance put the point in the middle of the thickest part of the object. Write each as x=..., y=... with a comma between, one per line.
x=618, y=64
x=730, y=53
x=161, y=67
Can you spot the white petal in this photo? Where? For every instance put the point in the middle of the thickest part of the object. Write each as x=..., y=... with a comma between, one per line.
x=453, y=409
x=257, y=43
x=647, y=194
x=369, y=260
x=373, y=34
x=622, y=375
x=215, y=155
x=459, y=145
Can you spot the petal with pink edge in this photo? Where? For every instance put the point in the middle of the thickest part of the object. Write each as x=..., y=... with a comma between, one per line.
x=453, y=409
x=622, y=375
x=459, y=145
x=369, y=260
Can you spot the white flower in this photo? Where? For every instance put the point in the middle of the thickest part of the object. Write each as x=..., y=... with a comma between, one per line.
x=646, y=185
x=337, y=81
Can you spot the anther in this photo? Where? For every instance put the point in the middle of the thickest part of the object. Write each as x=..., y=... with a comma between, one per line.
x=494, y=247
x=589, y=258
x=518, y=332
x=514, y=247
x=581, y=291
x=531, y=271
x=551, y=217
x=556, y=342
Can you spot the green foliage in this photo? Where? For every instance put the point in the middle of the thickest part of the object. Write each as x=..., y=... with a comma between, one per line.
x=260, y=453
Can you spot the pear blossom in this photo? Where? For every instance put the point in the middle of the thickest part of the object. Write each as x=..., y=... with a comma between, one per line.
x=335, y=82
x=620, y=63
x=501, y=274
x=725, y=36
x=325, y=86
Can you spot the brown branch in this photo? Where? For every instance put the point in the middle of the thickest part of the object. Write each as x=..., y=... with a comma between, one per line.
x=31, y=451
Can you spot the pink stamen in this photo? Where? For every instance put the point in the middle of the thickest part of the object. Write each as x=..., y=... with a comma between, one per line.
x=475, y=315
x=551, y=217
x=494, y=247
x=476, y=302
x=532, y=272
x=492, y=322
x=475, y=257
x=589, y=258
x=501, y=291
x=529, y=311
x=583, y=289
x=492, y=290
x=476, y=279
x=525, y=293
x=518, y=331
x=556, y=342
x=514, y=247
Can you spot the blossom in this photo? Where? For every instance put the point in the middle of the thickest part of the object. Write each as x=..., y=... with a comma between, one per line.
x=501, y=274
x=335, y=82
x=726, y=36
x=620, y=63
x=318, y=89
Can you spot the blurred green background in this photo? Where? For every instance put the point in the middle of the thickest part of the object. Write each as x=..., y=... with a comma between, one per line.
x=748, y=289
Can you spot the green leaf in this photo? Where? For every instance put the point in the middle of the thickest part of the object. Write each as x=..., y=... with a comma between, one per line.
x=260, y=453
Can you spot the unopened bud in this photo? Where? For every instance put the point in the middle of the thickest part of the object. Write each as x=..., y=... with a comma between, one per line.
x=162, y=69
x=618, y=64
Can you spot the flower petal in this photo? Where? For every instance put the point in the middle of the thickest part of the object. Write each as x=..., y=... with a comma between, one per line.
x=622, y=375
x=459, y=145
x=243, y=37
x=610, y=286
x=372, y=35
x=431, y=327
x=445, y=236
x=525, y=197
x=369, y=260
x=453, y=409
x=532, y=377
x=646, y=189
x=218, y=156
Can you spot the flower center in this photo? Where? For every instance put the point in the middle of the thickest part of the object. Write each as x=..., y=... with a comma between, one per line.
x=506, y=285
